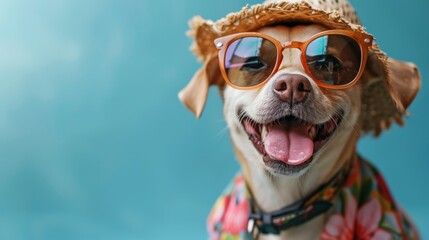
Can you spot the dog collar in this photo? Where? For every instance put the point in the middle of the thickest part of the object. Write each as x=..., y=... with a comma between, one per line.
x=316, y=203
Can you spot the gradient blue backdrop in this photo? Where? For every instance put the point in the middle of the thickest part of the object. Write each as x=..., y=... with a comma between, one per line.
x=94, y=143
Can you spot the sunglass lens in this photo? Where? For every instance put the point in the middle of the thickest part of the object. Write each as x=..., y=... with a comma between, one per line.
x=334, y=59
x=249, y=61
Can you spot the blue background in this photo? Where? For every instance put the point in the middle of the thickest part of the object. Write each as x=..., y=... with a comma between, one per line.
x=94, y=143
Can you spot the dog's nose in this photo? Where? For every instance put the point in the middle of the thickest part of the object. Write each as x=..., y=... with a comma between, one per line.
x=292, y=88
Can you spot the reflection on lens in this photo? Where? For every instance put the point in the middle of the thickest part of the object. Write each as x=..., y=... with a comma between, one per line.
x=249, y=61
x=334, y=59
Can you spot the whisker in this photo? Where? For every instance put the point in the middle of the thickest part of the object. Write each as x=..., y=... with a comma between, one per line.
x=241, y=116
x=347, y=123
x=222, y=132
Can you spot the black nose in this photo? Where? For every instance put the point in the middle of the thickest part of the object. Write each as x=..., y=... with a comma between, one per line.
x=292, y=88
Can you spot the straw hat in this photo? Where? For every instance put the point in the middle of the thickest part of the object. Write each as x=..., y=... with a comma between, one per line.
x=385, y=97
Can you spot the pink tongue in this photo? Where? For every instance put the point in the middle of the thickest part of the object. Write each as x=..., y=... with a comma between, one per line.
x=290, y=144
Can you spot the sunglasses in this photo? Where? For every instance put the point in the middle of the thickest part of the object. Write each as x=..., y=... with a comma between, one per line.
x=334, y=59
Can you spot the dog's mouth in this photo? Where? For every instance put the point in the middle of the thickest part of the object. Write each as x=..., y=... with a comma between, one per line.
x=290, y=140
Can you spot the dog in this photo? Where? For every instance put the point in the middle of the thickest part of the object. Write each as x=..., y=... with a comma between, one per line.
x=295, y=139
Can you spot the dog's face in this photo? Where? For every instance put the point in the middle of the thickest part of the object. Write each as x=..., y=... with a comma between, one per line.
x=291, y=124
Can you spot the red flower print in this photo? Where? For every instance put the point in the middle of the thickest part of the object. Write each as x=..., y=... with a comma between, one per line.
x=216, y=216
x=368, y=221
x=236, y=216
x=341, y=227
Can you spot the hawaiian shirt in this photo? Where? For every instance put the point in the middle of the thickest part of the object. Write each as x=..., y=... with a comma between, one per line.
x=362, y=209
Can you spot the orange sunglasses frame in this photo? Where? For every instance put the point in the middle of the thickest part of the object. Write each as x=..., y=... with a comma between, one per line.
x=364, y=41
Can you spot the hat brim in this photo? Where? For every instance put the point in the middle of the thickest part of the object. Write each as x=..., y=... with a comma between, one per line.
x=249, y=19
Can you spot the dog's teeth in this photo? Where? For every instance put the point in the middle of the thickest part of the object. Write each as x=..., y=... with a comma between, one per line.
x=312, y=132
x=264, y=132
x=330, y=127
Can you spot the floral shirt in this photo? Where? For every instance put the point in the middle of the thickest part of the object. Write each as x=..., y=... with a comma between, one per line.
x=363, y=209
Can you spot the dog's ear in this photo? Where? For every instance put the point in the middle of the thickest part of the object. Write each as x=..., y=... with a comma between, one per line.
x=194, y=95
x=405, y=82
x=386, y=101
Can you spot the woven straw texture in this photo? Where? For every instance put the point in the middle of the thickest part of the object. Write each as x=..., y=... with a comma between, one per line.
x=379, y=107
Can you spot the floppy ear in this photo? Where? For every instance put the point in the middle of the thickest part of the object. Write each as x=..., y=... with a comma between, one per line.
x=405, y=82
x=194, y=95
x=387, y=91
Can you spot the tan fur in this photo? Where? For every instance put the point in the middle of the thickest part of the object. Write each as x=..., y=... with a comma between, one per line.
x=405, y=81
x=194, y=95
